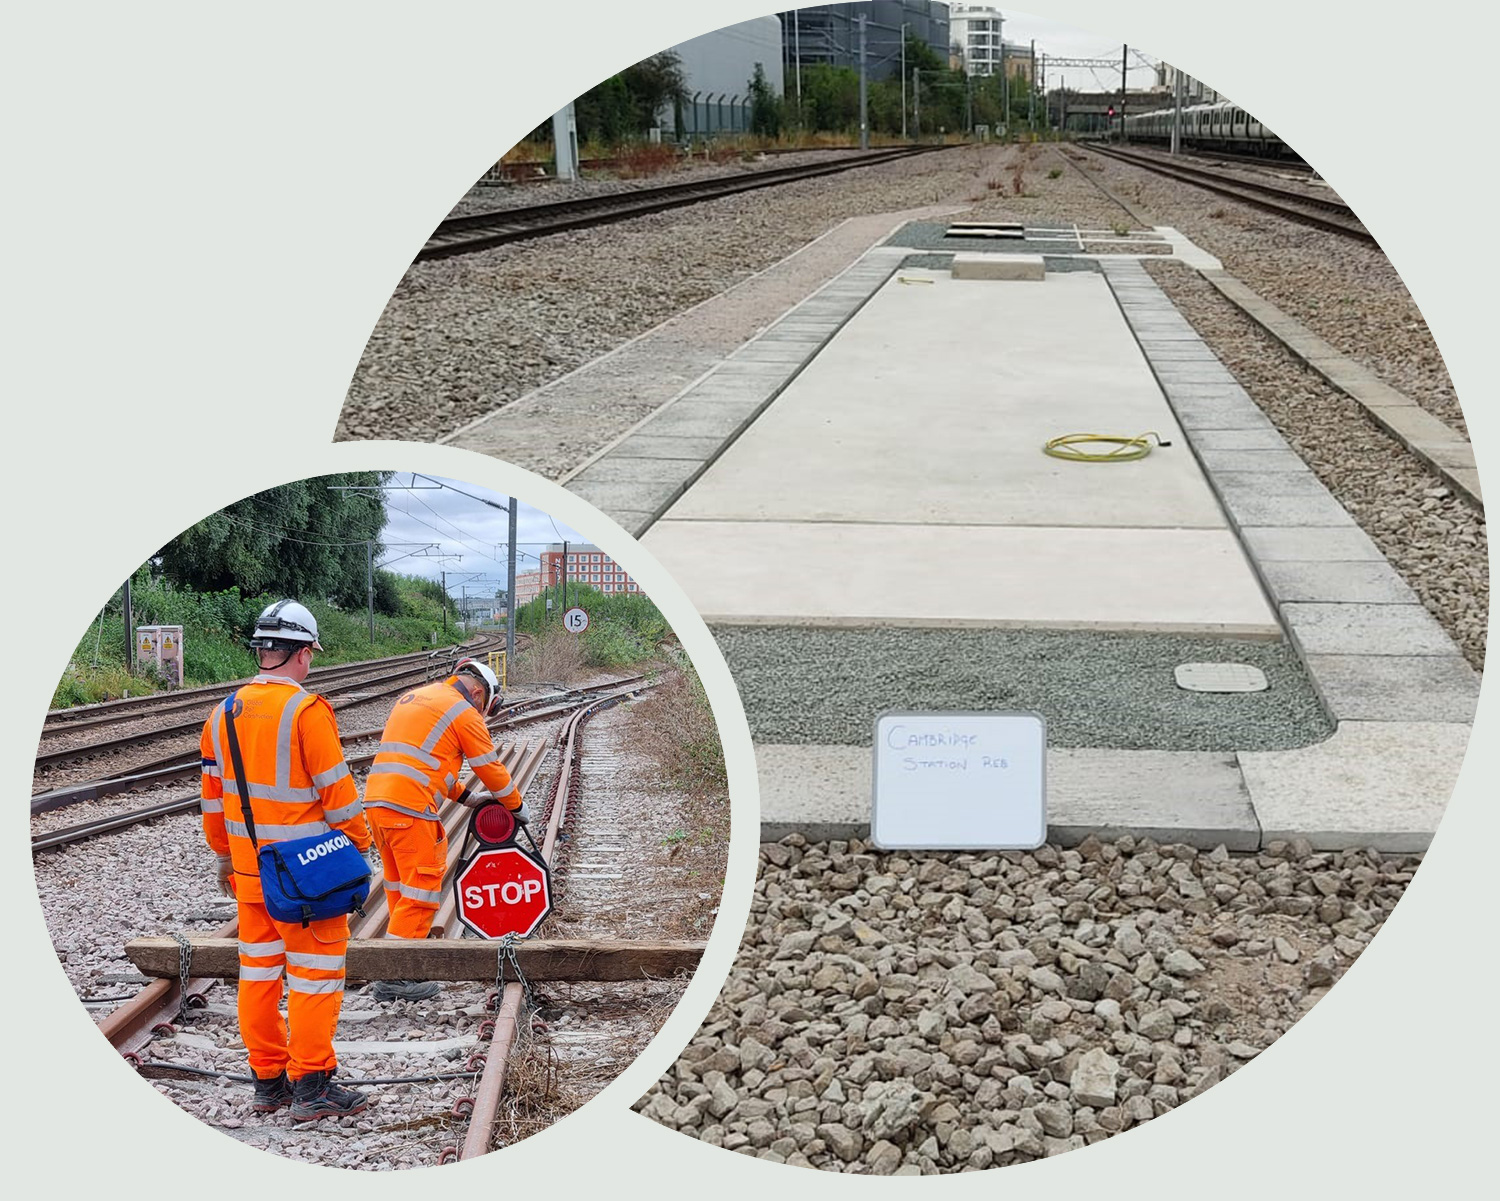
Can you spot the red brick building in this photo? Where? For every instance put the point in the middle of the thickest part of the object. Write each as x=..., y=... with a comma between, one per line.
x=587, y=564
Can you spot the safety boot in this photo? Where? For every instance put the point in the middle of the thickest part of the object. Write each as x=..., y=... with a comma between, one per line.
x=316, y=1096
x=405, y=990
x=271, y=1093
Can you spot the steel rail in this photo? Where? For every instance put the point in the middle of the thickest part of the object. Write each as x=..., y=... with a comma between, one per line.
x=74, y=714
x=480, y=231
x=507, y=1025
x=517, y=715
x=184, y=728
x=1281, y=201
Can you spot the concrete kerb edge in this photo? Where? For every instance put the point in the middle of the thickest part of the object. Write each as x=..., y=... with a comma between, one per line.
x=1308, y=349
x=536, y=393
x=1411, y=841
x=812, y=348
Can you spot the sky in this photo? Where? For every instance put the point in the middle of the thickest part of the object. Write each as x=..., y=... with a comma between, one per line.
x=1065, y=41
x=433, y=526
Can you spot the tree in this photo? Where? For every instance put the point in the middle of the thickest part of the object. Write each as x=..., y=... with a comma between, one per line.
x=766, y=112
x=655, y=83
x=300, y=539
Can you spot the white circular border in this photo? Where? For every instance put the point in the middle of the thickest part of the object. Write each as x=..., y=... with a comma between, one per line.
x=140, y=368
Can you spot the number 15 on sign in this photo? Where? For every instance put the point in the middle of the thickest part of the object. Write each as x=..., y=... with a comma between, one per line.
x=575, y=621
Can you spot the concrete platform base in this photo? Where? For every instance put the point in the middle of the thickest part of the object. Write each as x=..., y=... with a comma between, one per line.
x=1198, y=798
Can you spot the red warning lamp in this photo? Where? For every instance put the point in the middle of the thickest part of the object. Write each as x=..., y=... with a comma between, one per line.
x=493, y=824
x=1111, y=110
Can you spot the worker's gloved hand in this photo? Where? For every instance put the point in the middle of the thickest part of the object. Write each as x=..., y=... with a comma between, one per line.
x=476, y=795
x=226, y=876
x=522, y=815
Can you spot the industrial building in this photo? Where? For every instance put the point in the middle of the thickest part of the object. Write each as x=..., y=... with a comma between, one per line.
x=829, y=34
x=719, y=67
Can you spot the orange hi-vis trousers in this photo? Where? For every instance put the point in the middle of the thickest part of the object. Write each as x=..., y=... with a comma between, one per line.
x=414, y=856
x=312, y=959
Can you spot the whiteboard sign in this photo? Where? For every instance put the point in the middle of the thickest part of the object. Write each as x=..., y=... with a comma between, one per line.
x=960, y=781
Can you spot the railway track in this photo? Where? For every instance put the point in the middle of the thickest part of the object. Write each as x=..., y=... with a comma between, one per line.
x=479, y=231
x=159, y=1007
x=77, y=717
x=515, y=716
x=503, y=174
x=205, y=699
x=1322, y=212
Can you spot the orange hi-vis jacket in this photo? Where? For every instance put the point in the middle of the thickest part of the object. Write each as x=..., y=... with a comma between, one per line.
x=429, y=734
x=294, y=765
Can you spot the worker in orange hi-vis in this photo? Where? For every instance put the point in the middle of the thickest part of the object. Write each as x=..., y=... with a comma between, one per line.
x=430, y=732
x=298, y=785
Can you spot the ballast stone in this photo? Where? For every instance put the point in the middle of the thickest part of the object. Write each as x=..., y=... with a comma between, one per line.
x=999, y=266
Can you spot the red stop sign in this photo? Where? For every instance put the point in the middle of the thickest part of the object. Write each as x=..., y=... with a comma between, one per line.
x=503, y=891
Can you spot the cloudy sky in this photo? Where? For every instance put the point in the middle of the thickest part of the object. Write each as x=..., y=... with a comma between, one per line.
x=1057, y=40
x=436, y=524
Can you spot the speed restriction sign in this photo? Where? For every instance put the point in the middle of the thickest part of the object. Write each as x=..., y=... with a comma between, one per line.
x=575, y=620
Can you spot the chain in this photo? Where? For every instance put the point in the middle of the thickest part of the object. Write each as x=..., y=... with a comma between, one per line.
x=507, y=952
x=184, y=962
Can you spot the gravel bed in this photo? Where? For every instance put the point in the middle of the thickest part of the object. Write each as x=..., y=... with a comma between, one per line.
x=461, y=337
x=1435, y=539
x=1345, y=291
x=1095, y=689
x=487, y=199
x=894, y=1013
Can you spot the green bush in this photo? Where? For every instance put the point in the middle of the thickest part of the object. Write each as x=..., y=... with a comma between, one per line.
x=216, y=625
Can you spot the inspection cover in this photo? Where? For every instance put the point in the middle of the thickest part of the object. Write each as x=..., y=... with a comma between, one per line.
x=1221, y=677
x=985, y=231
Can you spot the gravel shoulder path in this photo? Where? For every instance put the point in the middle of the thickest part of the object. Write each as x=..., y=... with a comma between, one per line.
x=892, y=1013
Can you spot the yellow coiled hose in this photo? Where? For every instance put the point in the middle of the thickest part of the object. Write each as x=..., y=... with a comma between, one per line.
x=1125, y=449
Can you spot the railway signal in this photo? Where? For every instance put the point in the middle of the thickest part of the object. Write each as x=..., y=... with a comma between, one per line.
x=503, y=890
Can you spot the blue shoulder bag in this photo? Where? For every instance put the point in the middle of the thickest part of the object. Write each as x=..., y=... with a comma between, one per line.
x=303, y=879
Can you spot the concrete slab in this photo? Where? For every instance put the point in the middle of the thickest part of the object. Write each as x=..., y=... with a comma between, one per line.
x=862, y=574
x=1267, y=438
x=1357, y=629
x=823, y=792
x=1396, y=688
x=1361, y=582
x=956, y=437
x=1374, y=784
x=999, y=266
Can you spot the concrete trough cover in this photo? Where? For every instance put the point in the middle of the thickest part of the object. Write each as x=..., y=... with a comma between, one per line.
x=986, y=229
x=999, y=266
x=1221, y=677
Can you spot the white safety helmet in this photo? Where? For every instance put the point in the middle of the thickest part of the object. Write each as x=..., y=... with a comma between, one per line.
x=286, y=626
x=487, y=680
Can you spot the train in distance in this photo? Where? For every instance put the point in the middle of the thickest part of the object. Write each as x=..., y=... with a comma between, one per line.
x=1221, y=126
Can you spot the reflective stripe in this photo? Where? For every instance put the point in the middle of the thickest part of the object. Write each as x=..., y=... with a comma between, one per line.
x=405, y=748
x=481, y=760
x=212, y=804
x=443, y=723
x=511, y=791
x=353, y=809
x=284, y=739
x=260, y=973
x=214, y=719
x=448, y=782
x=402, y=769
x=268, y=792
x=388, y=934
x=332, y=776
x=421, y=894
x=213, y=771
x=304, y=830
x=426, y=815
x=299, y=984
x=327, y=963
x=257, y=950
